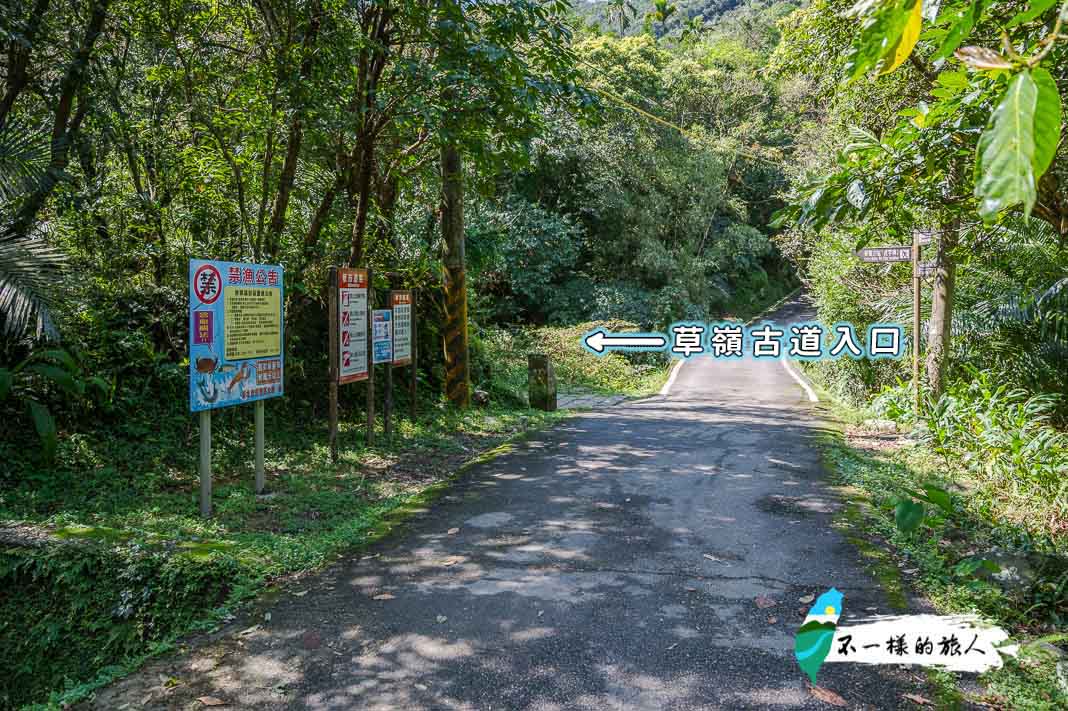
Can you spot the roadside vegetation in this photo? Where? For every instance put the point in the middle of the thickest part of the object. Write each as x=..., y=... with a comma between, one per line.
x=907, y=132
x=618, y=164
x=606, y=181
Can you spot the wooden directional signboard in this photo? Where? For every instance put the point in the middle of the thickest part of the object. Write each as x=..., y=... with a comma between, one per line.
x=927, y=268
x=885, y=254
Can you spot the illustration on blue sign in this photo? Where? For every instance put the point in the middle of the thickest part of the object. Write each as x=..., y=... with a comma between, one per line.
x=382, y=335
x=235, y=333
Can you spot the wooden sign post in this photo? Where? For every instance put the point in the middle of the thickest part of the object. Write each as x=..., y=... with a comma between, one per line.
x=906, y=254
x=369, y=435
x=414, y=384
x=916, y=324
x=332, y=288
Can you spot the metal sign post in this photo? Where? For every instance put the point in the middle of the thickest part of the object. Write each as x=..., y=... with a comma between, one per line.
x=205, y=463
x=236, y=353
x=259, y=446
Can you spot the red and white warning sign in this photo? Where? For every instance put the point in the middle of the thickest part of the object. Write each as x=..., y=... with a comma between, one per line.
x=401, y=303
x=352, y=324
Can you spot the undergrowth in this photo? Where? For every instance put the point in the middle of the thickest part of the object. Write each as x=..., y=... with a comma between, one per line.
x=127, y=565
x=945, y=555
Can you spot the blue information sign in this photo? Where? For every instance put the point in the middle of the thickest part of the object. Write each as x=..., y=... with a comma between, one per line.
x=235, y=333
x=382, y=336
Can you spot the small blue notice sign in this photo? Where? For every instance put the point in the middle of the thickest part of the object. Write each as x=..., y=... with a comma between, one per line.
x=382, y=335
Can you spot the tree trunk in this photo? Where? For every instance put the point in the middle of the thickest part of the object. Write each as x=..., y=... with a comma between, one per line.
x=387, y=209
x=452, y=231
x=64, y=125
x=18, y=59
x=363, y=195
x=940, y=326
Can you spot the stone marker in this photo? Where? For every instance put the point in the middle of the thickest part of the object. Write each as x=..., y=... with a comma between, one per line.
x=541, y=382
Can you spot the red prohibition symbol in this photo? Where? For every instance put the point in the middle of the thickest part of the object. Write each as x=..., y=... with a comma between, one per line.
x=207, y=283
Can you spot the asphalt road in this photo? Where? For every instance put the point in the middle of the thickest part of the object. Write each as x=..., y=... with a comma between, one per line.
x=611, y=563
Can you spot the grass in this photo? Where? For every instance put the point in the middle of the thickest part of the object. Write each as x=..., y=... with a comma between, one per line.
x=576, y=369
x=129, y=566
x=870, y=480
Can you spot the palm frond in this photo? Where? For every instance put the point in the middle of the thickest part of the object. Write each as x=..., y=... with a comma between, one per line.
x=24, y=153
x=30, y=269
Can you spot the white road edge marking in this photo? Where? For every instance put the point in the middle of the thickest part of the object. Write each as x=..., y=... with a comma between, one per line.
x=800, y=380
x=666, y=390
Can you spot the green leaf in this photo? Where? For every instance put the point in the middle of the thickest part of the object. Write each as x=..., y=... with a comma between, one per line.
x=58, y=376
x=6, y=379
x=963, y=22
x=968, y=566
x=1005, y=174
x=46, y=428
x=906, y=41
x=60, y=356
x=1047, y=121
x=883, y=27
x=861, y=141
x=102, y=386
x=1038, y=7
x=939, y=497
x=908, y=515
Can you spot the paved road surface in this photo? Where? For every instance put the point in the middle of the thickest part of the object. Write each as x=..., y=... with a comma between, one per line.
x=611, y=563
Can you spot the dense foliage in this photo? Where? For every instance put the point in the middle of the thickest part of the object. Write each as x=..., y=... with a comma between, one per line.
x=943, y=123
x=627, y=181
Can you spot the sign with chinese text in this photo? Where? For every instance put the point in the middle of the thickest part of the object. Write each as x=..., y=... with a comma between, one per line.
x=885, y=254
x=352, y=324
x=401, y=301
x=235, y=329
x=382, y=336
